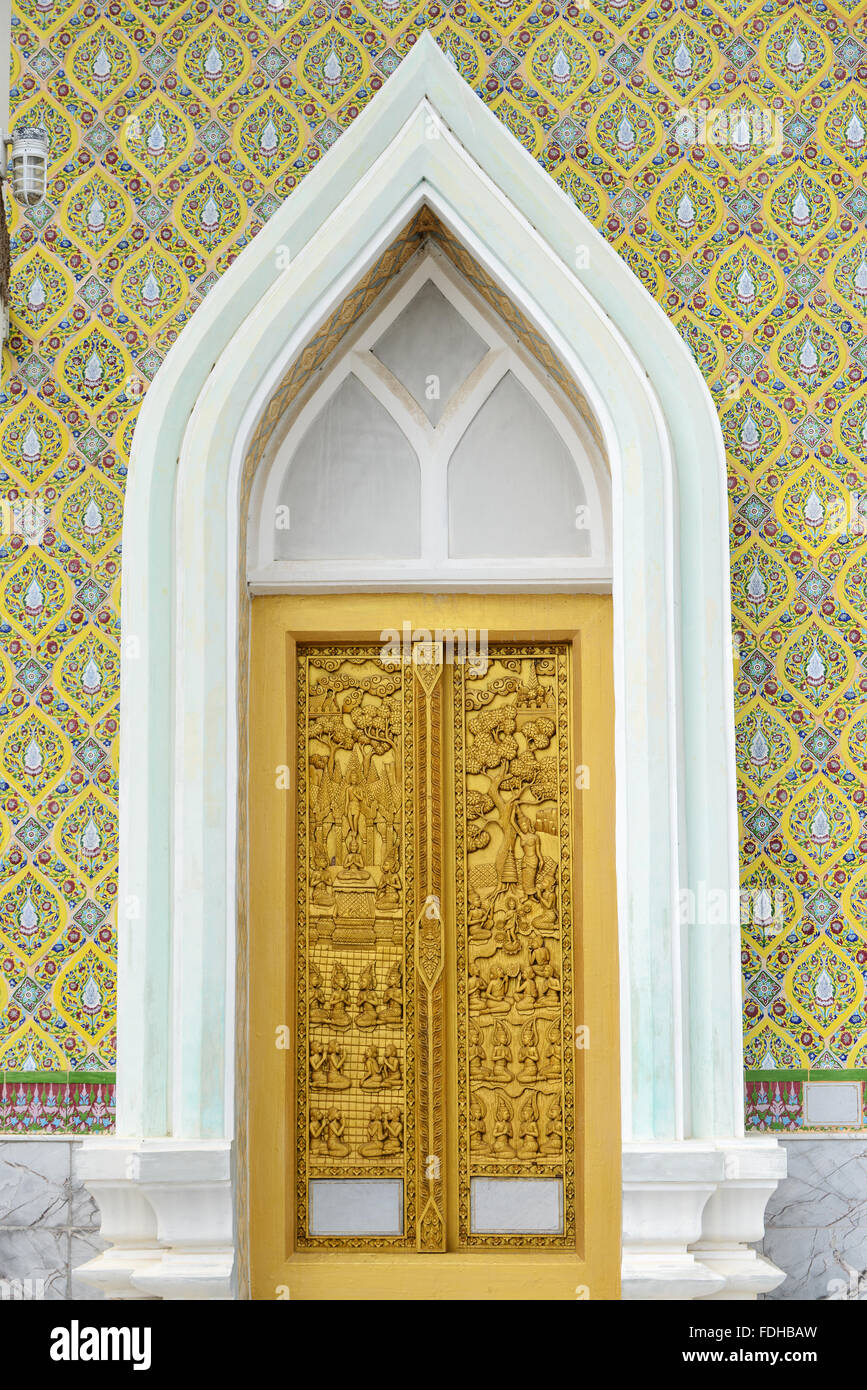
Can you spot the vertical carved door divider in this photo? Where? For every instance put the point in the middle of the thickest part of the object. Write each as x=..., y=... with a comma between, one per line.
x=430, y=948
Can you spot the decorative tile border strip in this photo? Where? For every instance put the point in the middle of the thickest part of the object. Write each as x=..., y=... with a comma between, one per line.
x=57, y=1103
x=774, y=1100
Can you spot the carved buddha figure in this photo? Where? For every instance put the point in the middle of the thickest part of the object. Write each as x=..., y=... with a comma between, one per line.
x=353, y=857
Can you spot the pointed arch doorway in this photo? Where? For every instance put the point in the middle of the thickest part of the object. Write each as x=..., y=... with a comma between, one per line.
x=173, y=1183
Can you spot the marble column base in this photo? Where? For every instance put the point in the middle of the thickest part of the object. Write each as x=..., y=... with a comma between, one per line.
x=690, y=1209
x=167, y=1213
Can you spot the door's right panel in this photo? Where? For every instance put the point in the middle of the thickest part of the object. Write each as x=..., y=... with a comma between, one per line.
x=515, y=972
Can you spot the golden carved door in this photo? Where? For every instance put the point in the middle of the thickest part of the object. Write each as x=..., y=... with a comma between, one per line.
x=433, y=953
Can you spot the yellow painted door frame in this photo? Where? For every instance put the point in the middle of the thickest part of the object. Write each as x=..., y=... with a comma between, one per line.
x=278, y=1270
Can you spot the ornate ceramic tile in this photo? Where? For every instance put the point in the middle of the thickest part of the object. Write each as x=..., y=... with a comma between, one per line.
x=720, y=147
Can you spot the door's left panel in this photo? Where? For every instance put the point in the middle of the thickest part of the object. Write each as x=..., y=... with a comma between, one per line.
x=355, y=979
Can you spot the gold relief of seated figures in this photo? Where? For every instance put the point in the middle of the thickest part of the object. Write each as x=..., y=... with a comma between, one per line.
x=384, y=1134
x=516, y=1135
x=327, y=1061
x=326, y=1134
x=380, y=1073
x=534, y=989
x=371, y=1010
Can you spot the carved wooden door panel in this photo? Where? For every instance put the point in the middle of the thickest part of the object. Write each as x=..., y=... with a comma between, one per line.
x=370, y=952
x=430, y=983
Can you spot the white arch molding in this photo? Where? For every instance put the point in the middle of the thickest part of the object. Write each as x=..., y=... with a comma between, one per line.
x=171, y=1183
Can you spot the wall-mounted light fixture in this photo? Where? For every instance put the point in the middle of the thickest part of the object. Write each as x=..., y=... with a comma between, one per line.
x=24, y=166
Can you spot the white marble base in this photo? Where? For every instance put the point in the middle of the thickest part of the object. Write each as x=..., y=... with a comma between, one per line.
x=167, y=1215
x=690, y=1211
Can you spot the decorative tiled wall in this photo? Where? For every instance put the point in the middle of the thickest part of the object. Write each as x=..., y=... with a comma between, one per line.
x=719, y=147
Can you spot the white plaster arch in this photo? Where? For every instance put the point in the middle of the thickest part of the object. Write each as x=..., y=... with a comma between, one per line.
x=167, y=1183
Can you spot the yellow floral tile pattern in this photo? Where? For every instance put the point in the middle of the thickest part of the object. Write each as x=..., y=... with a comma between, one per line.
x=721, y=148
